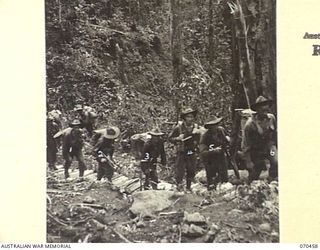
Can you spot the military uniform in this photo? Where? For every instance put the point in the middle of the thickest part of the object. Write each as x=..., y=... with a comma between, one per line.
x=212, y=153
x=150, y=153
x=72, y=147
x=186, y=149
x=259, y=144
x=137, y=141
x=52, y=145
x=103, y=149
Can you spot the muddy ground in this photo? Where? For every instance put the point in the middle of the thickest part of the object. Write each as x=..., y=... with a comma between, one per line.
x=91, y=211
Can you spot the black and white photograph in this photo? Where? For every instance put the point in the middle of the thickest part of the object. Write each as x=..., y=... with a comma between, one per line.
x=161, y=121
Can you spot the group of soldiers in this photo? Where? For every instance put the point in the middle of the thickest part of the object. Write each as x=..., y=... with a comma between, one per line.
x=208, y=143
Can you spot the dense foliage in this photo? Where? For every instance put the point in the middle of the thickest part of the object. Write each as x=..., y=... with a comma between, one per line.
x=116, y=57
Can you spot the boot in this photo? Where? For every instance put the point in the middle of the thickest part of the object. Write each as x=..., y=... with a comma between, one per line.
x=66, y=174
x=146, y=185
x=154, y=186
x=188, y=185
x=211, y=187
x=52, y=167
x=179, y=187
x=81, y=172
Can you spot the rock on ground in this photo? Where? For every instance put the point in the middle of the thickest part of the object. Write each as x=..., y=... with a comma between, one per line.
x=224, y=187
x=150, y=202
x=194, y=218
x=201, y=177
x=166, y=186
x=88, y=200
x=192, y=230
x=214, y=229
x=265, y=227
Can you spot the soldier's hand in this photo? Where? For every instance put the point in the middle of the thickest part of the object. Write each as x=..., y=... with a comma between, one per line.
x=196, y=131
x=180, y=137
x=228, y=139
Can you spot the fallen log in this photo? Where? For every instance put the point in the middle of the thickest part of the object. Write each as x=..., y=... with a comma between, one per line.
x=235, y=226
x=98, y=206
x=57, y=191
x=121, y=236
x=56, y=220
x=170, y=213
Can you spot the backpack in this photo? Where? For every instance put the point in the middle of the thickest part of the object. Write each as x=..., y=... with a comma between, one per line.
x=90, y=113
x=56, y=115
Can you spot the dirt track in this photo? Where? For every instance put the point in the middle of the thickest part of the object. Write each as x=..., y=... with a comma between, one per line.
x=91, y=211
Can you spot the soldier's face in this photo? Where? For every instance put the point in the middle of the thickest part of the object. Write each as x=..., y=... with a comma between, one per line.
x=189, y=118
x=110, y=141
x=263, y=110
x=213, y=127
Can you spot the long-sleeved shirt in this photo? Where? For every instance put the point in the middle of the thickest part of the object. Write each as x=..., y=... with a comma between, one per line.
x=72, y=142
x=258, y=134
x=105, y=145
x=151, y=151
x=188, y=145
x=211, y=140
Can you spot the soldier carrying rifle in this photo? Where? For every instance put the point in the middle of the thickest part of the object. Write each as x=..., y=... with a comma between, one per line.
x=103, y=151
x=185, y=137
x=260, y=140
x=213, y=152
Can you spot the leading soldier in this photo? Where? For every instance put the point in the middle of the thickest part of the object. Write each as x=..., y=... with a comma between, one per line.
x=259, y=141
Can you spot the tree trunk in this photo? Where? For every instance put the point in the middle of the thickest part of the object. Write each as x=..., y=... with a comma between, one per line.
x=176, y=46
x=265, y=53
x=210, y=38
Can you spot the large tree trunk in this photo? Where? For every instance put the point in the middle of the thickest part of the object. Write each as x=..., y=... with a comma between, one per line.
x=265, y=52
x=176, y=47
x=254, y=33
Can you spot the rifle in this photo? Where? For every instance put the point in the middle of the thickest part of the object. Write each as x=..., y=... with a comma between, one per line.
x=232, y=162
x=147, y=170
x=230, y=159
x=186, y=139
x=111, y=163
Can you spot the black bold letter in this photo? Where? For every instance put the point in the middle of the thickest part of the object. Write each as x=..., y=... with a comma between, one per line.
x=316, y=50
